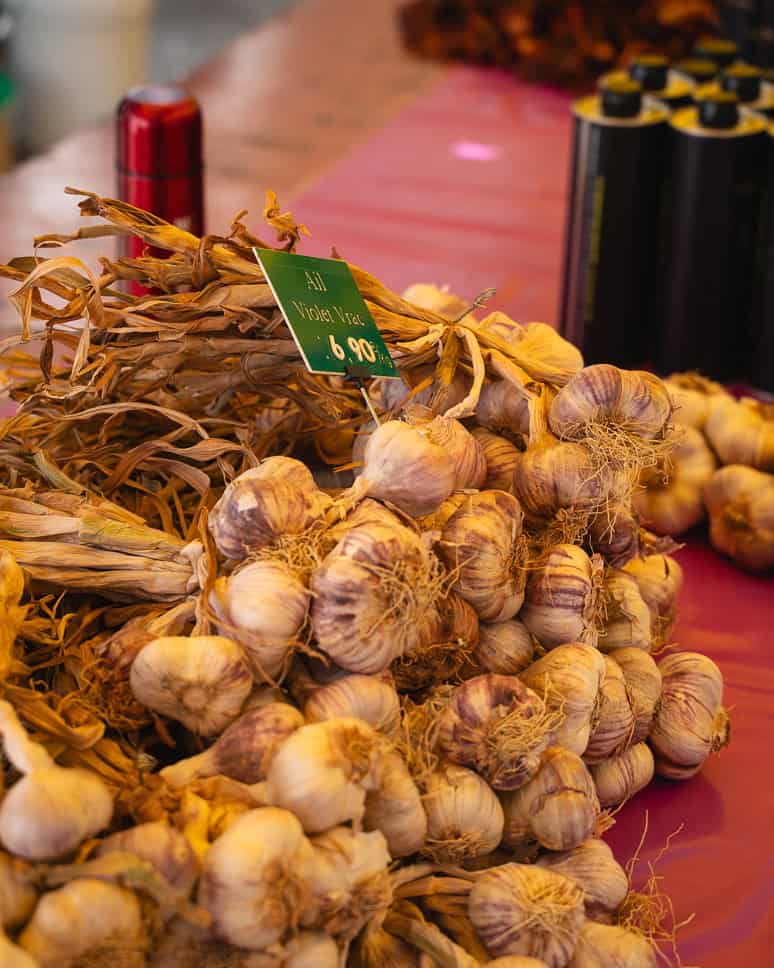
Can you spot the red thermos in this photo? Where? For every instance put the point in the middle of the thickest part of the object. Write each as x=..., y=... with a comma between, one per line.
x=159, y=157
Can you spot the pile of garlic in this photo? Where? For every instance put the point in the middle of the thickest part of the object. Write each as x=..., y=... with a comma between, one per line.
x=451, y=662
x=721, y=466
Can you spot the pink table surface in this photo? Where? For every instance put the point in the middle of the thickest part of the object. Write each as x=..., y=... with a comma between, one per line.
x=466, y=186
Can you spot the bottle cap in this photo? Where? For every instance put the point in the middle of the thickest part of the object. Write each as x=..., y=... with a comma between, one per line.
x=650, y=70
x=159, y=132
x=744, y=80
x=719, y=110
x=621, y=98
x=698, y=69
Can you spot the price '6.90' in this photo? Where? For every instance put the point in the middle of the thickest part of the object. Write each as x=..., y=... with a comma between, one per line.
x=361, y=348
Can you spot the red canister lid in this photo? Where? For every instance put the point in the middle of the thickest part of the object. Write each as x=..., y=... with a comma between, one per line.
x=159, y=132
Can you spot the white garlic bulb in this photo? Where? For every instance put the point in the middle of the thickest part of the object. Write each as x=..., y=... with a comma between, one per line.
x=742, y=432
x=643, y=687
x=613, y=725
x=505, y=648
x=395, y=808
x=622, y=777
x=569, y=677
x=627, y=615
x=323, y=772
x=659, y=578
x=498, y=727
x=82, y=920
x=465, y=451
x=251, y=883
x=609, y=946
x=244, y=750
x=201, y=681
x=558, y=808
x=464, y=817
x=482, y=542
x=526, y=910
x=562, y=598
x=263, y=606
x=163, y=846
x=365, y=697
x=51, y=810
x=592, y=866
x=501, y=459
x=740, y=502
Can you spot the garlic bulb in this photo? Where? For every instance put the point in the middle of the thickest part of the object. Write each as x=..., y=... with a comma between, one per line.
x=370, y=596
x=505, y=648
x=395, y=808
x=310, y=949
x=401, y=465
x=592, y=866
x=693, y=397
x=615, y=534
x=501, y=459
x=562, y=597
x=244, y=750
x=526, y=910
x=621, y=777
x=627, y=620
x=506, y=409
x=558, y=807
x=323, y=772
x=690, y=721
x=465, y=451
x=536, y=347
x=51, y=810
x=740, y=502
x=363, y=697
x=643, y=687
x=201, y=681
x=12, y=956
x=482, y=541
x=17, y=892
x=608, y=946
x=258, y=507
x=251, y=883
x=163, y=846
x=613, y=724
x=464, y=817
x=498, y=727
x=742, y=432
x=348, y=882
x=450, y=633
x=632, y=400
x=263, y=606
x=659, y=578
x=569, y=677
x=85, y=920
x=670, y=499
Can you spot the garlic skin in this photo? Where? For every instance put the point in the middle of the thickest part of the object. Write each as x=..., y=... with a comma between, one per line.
x=263, y=606
x=690, y=722
x=257, y=508
x=558, y=808
x=742, y=432
x=450, y=633
x=526, y=910
x=693, y=397
x=362, y=697
x=464, y=817
x=483, y=542
x=562, y=597
x=643, y=688
x=496, y=726
x=609, y=946
x=346, y=875
x=17, y=892
x=402, y=466
x=163, y=846
x=323, y=772
x=660, y=579
x=536, y=347
x=613, y=728
x=504, y=648
x=201, y=681
x=506, y=410
x=378, y=949
x=436, y=298
x=51, y=810
x=634, y=400
x=501, y=459
x=251, y=882
x=395, y=808
x=569, y=677
x=244, y=750
x=82, y=920
x=627, y=621
x=12, y=956
x=465, y=451
x=592, y=866
x=622, y=777
x=615, y=534
x=740, y=502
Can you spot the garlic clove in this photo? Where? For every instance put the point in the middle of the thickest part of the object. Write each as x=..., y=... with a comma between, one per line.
x=622, y=777
x=395, y=808
x=562, y=599
x=526, y=910
x=201, y=681
x=464, y=817
x=592, y=866
x=609, y=946
x=740, y=502
x=362, y=697
x=163, y=846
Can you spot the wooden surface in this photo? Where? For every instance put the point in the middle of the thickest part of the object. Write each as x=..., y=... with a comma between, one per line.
x=281, y=105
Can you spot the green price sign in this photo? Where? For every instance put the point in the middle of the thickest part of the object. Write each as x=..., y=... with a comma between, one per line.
x=325, y=313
